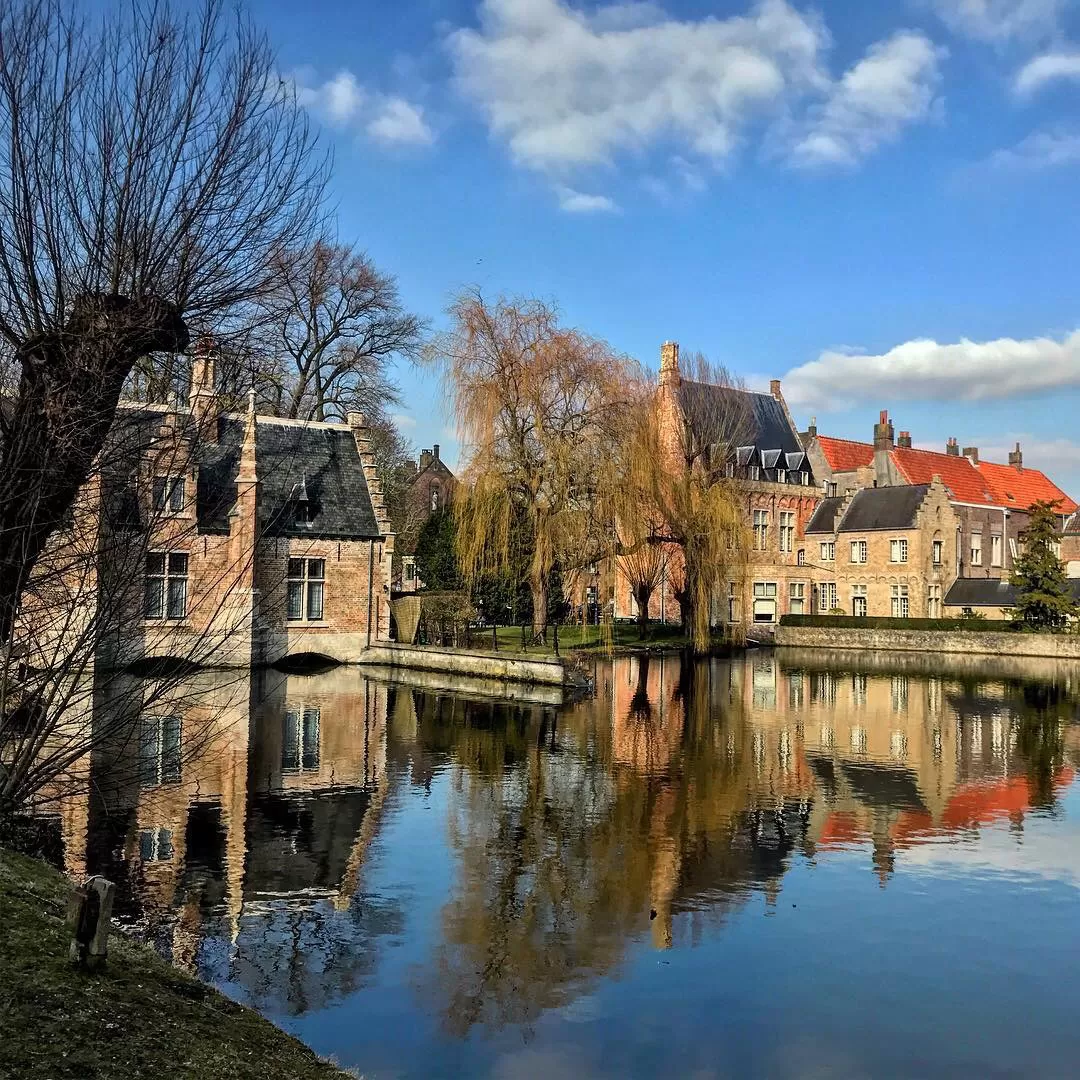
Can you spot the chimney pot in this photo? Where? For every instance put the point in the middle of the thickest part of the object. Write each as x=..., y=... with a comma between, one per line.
x=952, y=448
x=904, y=440
x=435, y=451
x=1016, y=458
x=972, y=454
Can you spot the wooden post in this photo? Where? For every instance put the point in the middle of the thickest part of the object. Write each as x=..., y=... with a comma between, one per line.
x=89, y=915
x=556, y=641
x=494, y=637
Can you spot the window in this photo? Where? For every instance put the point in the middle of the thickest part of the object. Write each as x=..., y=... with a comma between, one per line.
x=858, y=689
x=828, y=551
x=804, y=478
x=754, y=472
x=761, y=530
x=734, y=615
x=858, y=551
x=165, y=593
x=830, y=489
x=787, y=530
x=898, y=551
x=995, y=550
x=159, y=751
x=303, y=512
x=155, y=845
x=300, y=742
x=937, y=552
x=976, y=549
x=764, y=601
x=827, y=597
x=434, y=499
x=305, y=586
x=1013, y=549
x=800, y=557
x=797, y=598
x=933, y=602
x=900, y=606
x=781, y=476
x=858, y=601
x=169, y=493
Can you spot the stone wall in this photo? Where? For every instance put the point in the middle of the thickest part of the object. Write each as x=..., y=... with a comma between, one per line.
x=486, y=665
x=963, y=642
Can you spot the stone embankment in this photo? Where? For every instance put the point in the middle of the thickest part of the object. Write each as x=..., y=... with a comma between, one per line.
x=956, y=642
x=502, y=666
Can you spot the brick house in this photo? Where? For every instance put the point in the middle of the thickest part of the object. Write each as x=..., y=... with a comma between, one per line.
x=891, y=549
x=431, y=491
x=236, y=539
x=777, y=481
x=990, y=500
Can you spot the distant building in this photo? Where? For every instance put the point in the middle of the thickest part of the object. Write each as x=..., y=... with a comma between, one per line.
x=431, y=491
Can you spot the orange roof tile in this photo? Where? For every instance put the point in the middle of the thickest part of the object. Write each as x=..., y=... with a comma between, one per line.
x=844, y=455
x=1019, y=488
x=963, y=480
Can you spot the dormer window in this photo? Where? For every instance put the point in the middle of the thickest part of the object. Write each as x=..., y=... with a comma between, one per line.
x=303, y=511
x=781, y=476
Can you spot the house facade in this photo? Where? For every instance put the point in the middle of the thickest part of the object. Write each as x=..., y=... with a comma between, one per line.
x=226, y=539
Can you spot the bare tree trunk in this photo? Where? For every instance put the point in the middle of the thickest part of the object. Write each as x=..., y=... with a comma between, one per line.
x=642, y=595
x=68, y=392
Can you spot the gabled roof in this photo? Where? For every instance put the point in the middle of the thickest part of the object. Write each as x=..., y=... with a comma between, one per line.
x=824, y=516
x=963, y=480
x=1018, y=488
x=844, y=455
x=751, y=418
x=883, y=508
x=989, y=592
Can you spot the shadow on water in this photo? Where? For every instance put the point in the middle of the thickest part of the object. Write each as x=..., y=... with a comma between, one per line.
x=480, y=862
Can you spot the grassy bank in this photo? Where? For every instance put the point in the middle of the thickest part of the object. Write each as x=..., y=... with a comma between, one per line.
x=621, y=636
x=139, y=1017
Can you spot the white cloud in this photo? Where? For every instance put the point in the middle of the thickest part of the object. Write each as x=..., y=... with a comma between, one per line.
x=402, y=420
x=399, y=121
x=344, y=103
x=1036, y=73
x=578, y=202
x=569, y=89
x=999, y=20
x=893, y=86
x=1040, y=150
x=926, y=370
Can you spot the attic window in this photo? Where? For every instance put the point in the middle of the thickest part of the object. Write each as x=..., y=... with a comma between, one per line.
x=305, y=513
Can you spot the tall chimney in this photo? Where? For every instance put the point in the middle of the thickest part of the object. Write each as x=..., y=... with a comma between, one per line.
x=435, y=451
x=426, y=458
x=904, y=440
x=669, y=364
x=972, y=454
x=952, y=448
x=884, y=440
x=1016, y=458
x=812, y=429
x=202, y=397
x=774, y=389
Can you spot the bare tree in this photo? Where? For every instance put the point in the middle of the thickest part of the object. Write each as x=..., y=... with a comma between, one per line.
x=332, y=326
x=152, y=171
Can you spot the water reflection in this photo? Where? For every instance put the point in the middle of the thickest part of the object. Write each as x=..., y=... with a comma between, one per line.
x=462, y=860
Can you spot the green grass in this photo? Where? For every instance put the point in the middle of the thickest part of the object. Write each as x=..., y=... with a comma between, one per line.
x=137, y=1017
x=622, y=635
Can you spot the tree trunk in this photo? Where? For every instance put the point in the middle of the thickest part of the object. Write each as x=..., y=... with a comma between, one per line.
x=68, y=392
x=642, y=595
x=538, y=586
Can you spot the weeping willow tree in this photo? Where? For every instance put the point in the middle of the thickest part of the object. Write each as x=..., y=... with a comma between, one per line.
x=677, y=511
x=537, y=406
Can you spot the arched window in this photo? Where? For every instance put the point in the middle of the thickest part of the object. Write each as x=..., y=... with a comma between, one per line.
x=434, y=499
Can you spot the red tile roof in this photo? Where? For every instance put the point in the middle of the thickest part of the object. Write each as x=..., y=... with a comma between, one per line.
x=963, y=480
x=985, y=484
x=1019, y=488
x=844, y=455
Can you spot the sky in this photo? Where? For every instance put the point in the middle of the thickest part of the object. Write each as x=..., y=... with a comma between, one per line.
x=875, y=202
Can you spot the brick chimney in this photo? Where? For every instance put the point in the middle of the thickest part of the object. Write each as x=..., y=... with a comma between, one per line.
x=972, y=454
x=202, y=398
x=904, y=440
x=426, y=458
x=1016, y=458
x=884, y=440
x=952, y=448
x=774, y=389
x=435, y=451
x=812, y=429
x=669, y=364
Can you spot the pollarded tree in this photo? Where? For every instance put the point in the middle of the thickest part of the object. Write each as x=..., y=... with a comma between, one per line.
x=1044, y=600
x=152, y=170
x=538, y=406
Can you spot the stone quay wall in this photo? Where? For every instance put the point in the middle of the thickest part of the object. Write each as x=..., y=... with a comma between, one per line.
x=957, y=642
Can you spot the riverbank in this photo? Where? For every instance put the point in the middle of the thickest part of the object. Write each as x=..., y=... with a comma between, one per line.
x=139, y=1017
x=953, y=642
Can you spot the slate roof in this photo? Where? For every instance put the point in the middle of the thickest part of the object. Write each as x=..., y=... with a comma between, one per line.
x=824, y=517
x=748, y=418
x=291, y=460
x=980, y=592
x=883, y=508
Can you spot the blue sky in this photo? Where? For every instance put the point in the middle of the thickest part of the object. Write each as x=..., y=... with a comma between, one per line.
x=875, y=202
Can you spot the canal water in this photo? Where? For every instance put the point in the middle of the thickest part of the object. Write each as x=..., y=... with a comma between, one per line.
x=781, y=865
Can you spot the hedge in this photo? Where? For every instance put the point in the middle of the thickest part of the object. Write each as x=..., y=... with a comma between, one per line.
x=853, y=622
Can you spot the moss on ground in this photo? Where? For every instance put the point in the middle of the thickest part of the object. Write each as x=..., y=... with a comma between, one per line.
x=138, y=1017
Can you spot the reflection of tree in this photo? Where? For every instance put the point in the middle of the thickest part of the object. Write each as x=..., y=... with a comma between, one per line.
x=566, y=848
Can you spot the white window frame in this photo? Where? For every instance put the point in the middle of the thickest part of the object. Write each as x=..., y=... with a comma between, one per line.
x=828, y=551
x=765, y=602
x=305, y=581
x=901, y=602
x=787, y=530
x=997, y=549
x=976, y=549
x=898, y=550
x=860, y=552
x=169, y=494
x=827, y=592
x=761, y=530
x=797, y=595
x=165, y=590
x=859, y=599
x=937, y=552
